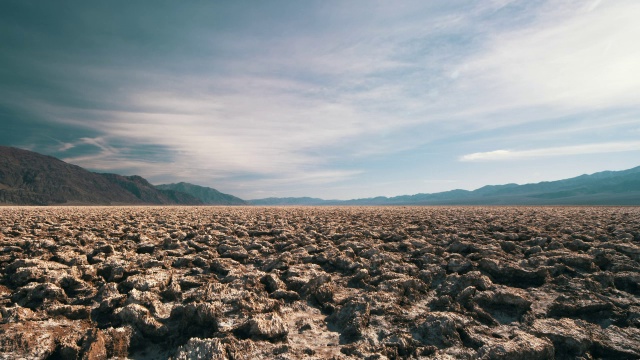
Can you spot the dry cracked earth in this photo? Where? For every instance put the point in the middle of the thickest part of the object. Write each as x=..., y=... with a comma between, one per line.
x=319, y=283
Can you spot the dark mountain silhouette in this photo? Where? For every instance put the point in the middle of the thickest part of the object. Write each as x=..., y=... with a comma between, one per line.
x=148, y=193
x=602, y=188
x=29, y=178
x=207, y=195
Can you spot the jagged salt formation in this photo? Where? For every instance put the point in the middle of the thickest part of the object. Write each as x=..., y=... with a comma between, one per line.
x=289, y=283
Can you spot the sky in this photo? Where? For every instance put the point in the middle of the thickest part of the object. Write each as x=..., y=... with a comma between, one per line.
x=324, y=98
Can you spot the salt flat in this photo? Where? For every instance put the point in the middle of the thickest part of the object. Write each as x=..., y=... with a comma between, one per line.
x=320, y=282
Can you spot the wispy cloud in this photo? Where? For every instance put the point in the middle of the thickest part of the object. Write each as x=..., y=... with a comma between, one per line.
x=574, y=55
x=108, y=158
x=586, y=149
x=249, y=103
x=310, y=95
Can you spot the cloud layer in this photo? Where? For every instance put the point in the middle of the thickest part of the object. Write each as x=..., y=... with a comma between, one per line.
x=326, y=98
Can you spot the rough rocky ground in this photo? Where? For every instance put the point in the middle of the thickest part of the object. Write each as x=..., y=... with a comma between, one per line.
x=290, y=283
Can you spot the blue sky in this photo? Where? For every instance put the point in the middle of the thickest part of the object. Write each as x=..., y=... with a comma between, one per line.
x=331, y=99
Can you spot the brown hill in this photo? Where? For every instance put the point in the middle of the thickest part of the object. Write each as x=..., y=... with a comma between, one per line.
x=29, y=178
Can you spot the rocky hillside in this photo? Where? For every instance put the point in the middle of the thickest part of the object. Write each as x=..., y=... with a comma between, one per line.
x=29, y=178
x=207, y=195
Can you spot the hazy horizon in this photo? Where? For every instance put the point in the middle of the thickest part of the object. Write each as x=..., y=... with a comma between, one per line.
x=390, y=196
x=325, y=99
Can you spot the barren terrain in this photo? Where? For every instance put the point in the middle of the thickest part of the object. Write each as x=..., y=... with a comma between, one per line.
x=290, y=283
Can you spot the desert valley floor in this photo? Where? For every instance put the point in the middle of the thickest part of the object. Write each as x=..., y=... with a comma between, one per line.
x=320, y=282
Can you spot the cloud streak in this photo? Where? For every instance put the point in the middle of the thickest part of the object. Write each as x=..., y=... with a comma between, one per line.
x=586, y=149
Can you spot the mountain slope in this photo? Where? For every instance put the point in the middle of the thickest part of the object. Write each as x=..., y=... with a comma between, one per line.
x=602, y=188
x=148, y=193
x=29, y=178
x=207, y=195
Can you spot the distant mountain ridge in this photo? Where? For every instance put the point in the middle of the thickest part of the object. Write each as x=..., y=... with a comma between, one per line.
x=29, y=178
x=602, y=188
x=207, y=195
x=274, y=201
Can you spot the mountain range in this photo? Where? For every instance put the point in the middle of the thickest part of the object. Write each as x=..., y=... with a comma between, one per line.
x=29, y=178
x=207, y=195
x=602, y=188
